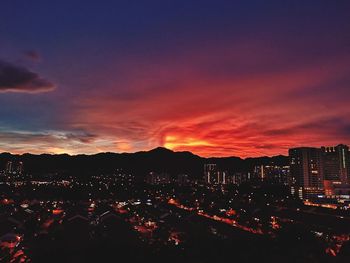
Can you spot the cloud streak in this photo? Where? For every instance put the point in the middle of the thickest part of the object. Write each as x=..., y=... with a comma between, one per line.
x=18, y=79
x=54, y=141
x=186, y=104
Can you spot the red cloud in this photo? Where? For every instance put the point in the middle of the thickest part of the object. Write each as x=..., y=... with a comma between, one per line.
x=181, y=105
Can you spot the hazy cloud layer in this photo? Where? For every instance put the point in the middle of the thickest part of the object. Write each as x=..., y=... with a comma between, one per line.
x=19, y=141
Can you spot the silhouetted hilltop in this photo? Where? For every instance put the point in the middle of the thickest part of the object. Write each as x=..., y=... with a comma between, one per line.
x=158, y=160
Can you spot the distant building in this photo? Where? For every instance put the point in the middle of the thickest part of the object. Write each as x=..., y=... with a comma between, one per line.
x=20, y=169
x=272, y=173
x=259, y=172
x=155, y=178
x=214, y=176
x=210, y=173
x=306, y=171
x=221, y=177
x=336, y=164
x=14, y=169
x=238, y=178
x=9, y=167
x=329, y=188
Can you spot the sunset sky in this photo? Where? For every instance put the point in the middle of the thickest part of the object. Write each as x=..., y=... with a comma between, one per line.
x=218, y=78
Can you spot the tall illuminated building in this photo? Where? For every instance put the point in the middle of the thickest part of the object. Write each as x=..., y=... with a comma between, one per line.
x=336, y=164
x=222, y=177
x=157, y=179
x=210, y=174
x=259, y=172
x=20, y=168
x=8, y=169
x=306, y=171
x=272, y=173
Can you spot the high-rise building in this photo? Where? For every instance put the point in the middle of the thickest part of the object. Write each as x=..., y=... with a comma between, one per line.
x=8, y=169
x=20, y=168
x=336, y=164
x=259, y=172
x=242, y=178
x=156, y=179
x=222, y=177
x=306, y=171
x=210, y=173
x=272, y=173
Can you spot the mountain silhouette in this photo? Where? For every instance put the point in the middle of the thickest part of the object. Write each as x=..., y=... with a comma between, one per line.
x=160, y=160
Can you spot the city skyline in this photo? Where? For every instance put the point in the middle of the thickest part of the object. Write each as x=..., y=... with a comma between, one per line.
x=160, y=148
x=224, y=79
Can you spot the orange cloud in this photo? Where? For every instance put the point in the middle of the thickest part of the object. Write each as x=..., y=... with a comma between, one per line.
x=222, y=80
x=229, y=102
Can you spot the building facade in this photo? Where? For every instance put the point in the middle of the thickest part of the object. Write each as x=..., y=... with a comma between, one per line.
x=316, y=172
x=306, y=171
x=336, y=163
